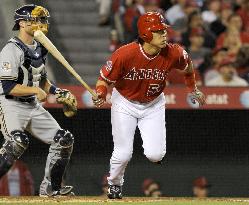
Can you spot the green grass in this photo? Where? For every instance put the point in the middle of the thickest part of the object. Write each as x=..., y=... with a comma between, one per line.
x=125, y=201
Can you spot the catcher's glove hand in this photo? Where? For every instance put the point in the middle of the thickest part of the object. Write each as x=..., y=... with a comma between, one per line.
x=68, y=100
x=197, y=97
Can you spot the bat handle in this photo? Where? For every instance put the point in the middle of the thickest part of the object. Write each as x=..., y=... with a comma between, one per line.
x=90, y=90
x=94, y=95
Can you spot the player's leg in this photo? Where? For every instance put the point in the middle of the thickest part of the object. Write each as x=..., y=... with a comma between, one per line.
x=45, y=127
x=123, y=130
x=12, y=150
x=153, y=133
x=13, y=121
x=57, y=160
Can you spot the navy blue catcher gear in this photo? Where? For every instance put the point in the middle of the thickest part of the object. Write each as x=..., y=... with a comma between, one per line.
x=12, y=149
x=65, y=141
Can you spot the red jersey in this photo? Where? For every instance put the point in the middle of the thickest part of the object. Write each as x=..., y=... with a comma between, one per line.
x=138, y=76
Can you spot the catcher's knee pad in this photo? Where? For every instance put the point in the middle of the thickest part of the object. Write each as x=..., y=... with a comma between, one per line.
x=12, y=150
x=64, y=142
x=64, y=138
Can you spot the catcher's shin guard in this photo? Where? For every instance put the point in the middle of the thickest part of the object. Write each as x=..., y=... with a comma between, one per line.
x=57, y=160
x=12, y=150
x=57, y=173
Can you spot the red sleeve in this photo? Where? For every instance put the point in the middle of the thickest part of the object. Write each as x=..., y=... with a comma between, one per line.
x=111, y=71
x=181, y=58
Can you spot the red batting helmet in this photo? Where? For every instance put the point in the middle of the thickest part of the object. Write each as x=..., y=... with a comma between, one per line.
x=149, y=22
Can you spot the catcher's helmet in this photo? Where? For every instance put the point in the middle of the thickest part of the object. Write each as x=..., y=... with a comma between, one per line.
x=149, y=22
x=31, y=12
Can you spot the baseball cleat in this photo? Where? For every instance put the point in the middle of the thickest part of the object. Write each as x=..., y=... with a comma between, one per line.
x=63, y=191
x=114, y=192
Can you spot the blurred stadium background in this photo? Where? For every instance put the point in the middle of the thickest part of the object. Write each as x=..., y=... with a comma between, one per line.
x=211, y=142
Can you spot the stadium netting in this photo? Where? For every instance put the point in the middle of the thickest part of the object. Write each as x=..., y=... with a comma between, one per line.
x=210, y=143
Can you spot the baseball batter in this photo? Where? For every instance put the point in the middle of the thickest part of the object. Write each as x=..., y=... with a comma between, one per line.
x=23, y=85
x=138, y=72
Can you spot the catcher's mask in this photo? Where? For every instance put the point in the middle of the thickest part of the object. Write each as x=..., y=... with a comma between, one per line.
x=38, y=16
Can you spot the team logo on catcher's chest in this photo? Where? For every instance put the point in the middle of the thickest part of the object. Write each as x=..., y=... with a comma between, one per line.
x=36, y=54
x=6, y=66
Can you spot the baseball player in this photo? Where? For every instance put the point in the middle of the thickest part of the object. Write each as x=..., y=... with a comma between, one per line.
x=23, y=85
x=138, y=72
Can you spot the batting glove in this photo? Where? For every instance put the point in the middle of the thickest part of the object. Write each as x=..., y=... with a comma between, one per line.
x=101, y=92
x=197, y=96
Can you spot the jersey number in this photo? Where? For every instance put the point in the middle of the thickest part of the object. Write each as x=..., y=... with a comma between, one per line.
x=154, y=89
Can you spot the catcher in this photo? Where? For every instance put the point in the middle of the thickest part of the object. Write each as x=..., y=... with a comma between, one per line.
x=23, y=86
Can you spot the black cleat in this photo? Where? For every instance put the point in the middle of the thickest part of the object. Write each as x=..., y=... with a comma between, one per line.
x=114, y=192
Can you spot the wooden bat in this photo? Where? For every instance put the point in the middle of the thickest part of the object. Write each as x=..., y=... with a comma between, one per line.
x=39, y=36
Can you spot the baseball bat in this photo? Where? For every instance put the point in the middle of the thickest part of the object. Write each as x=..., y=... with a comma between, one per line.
x=39, y=36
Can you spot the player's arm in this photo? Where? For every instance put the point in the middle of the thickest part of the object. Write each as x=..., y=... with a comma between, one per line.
x=109, y=74
x=12, y=88
x=184, y=63
x=102, y=87
x=63, y=96
x=11, y=58
x=47, y=86
x=101, y=90
x=189, y=76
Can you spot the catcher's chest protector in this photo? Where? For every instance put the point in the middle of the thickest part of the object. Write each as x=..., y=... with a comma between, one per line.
x=33, y=67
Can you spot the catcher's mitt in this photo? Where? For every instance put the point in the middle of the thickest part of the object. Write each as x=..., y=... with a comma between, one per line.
x=68, y=100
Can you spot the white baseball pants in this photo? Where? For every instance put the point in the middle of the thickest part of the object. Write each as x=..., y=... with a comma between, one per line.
x=125, y=117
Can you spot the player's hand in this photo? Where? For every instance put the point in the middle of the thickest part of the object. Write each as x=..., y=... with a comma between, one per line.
x=99, y=101
x=198, y=97
x=68, y=100
x=41, y=95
